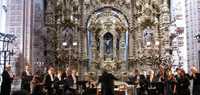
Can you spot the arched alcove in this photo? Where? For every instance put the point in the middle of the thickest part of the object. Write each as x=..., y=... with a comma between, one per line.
x=107, y=35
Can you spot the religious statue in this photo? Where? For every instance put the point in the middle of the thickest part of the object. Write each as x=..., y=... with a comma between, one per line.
x=108, y=43
x=148, y=35
x=108, y=46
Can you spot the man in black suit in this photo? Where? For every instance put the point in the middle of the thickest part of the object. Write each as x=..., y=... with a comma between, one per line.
x=182, y=83
x=151, y=83
x=107, y=83
x=70, y=80
x=7, y=79
x=26, y=78
x=49, y=81
x=196, y=81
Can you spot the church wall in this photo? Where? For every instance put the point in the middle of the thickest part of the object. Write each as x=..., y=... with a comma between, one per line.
x=19, y=23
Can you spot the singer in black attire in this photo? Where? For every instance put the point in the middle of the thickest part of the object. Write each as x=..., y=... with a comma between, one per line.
x=107, y=83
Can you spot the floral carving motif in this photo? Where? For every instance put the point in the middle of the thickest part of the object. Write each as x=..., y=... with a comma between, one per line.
x=120, y=28
x=107, y=1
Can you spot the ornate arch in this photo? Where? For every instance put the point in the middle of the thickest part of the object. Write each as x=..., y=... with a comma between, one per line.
x=107, y=20
x=105, y=8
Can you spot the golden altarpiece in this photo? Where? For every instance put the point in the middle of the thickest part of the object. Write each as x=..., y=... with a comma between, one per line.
x=117, y=35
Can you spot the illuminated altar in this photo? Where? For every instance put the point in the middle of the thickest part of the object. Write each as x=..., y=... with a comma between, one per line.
x=117, y=35
x=107, y=38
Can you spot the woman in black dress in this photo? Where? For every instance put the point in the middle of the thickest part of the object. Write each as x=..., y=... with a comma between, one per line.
x=49, y=81
x=160, y=80
x=169, y=84
x=182, y=85
x=59, y=83
x=26, y=78
x=7, y=79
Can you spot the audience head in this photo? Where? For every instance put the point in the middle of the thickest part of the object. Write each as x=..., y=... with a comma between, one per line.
x=74, y=72
x=182, y=73
x=28, y=67
x=51, y=70
x=137, y=72
x=178, y=71
x=104, y=71
x=151, y=72
x=59, y=73
x=169, y=73
x=8, y=67
x=68, y=71
x=194, y=69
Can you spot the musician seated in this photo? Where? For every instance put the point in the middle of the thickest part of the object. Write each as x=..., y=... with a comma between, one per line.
x=139, y=81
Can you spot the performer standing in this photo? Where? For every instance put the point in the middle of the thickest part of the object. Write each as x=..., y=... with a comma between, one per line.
x=140, y=82
x=75, y=78
x=7, y=78
x=107, y=83
x=196, y=81
x=68, y=82
x=160, y=80
x=37, y=85
x=182, y=85
x=59, y=83
x=169, y=84
x=151, y=82
x=49, y=81
x=26, y=78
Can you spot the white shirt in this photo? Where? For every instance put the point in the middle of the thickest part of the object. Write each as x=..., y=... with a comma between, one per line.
x=52, y=78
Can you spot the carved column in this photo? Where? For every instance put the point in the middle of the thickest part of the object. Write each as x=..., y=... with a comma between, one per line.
x=165, y=18
x=93, y=46
x=83, y=39
x=122, y=46
x=101, y=47
x=114, y=46
x=131, y=33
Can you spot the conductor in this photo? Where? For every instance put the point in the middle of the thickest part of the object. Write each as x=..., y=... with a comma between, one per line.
x=107, y=83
